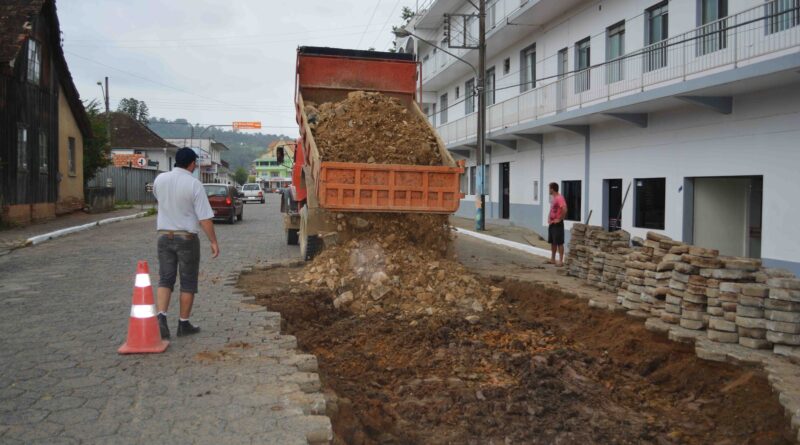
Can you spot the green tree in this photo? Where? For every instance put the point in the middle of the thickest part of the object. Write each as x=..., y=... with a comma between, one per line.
x=96, y=151
x=137, y=109
x=240, y=176
x=406, y=14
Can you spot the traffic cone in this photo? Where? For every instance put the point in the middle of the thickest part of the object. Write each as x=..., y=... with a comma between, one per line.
x=143, y=333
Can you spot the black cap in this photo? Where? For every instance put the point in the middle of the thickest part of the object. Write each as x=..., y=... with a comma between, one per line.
x=184, y=157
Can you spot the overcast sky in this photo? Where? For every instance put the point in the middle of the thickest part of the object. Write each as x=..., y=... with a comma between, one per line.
x=213, y=61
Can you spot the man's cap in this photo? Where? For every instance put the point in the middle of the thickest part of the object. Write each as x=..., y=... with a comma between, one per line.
x=185, y=156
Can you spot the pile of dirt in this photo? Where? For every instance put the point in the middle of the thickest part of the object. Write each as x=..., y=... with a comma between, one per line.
x=539, y=368
x=372, y=128
x=397, y=261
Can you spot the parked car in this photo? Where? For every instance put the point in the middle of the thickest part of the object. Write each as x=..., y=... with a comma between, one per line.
x=253, y=192
x=225, y=201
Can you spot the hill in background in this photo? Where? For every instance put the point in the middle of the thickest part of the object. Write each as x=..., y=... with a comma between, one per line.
x=245, y=147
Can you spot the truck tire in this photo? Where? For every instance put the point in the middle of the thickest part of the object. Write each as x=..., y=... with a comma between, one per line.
x=310, y=245
x=292, y=237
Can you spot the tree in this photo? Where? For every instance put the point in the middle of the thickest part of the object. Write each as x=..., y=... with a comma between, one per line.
x=135, y=108
x=240, y=176
x=96, y=151
x=406, y=14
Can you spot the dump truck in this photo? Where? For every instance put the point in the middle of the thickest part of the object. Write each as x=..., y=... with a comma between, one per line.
x=318, y=186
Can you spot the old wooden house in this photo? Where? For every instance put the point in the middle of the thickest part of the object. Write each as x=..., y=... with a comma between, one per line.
x=42, y=120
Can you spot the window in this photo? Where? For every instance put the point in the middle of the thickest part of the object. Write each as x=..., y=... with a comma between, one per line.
x=443, y=105
x=582, y=58
x=458, y=92
x=527, y=72
x=22, y=148
x=433, y=115
x=656, y=30
x=506, y=65
x=562, y=72
x=464, y=182
x=782, y=15
x=472, y=180
x=490, y=86
x=713, y=35
x=491, y=14
x=34, y=74
x=535, y=191
x=572, y=195
x=71, y=156
x=469, y=101
x=42, y=152
x=615, y=48
x=650, y=195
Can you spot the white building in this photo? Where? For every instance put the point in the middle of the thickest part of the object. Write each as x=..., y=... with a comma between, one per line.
x=210, y=157
x=691, y=105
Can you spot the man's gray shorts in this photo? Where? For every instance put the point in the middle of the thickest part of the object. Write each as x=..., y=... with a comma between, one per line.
x=178, y=253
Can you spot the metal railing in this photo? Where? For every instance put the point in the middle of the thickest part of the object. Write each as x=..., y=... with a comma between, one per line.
x=762, y=32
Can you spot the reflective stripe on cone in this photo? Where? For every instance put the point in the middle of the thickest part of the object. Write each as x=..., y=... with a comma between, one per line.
x=143, y=310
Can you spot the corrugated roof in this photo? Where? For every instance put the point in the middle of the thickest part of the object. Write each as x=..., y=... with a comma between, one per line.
x=127, y=132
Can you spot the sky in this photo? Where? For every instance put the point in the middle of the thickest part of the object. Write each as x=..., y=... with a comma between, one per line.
x=213, y=61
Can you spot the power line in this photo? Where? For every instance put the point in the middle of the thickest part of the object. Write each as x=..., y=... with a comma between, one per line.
x=388, y=19
x=377, y=5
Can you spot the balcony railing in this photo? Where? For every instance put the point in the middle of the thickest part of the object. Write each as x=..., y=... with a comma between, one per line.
x=762, y=32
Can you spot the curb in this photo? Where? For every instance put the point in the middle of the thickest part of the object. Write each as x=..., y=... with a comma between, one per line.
x=506, y=243
x=38, y=239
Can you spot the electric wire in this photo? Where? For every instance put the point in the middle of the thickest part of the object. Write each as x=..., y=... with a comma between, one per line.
x=374, y=11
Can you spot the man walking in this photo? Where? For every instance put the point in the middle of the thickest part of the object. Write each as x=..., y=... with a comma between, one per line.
x=555, y=221
x=183, y=209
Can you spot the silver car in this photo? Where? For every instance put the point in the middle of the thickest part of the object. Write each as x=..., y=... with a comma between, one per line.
x=252, y=192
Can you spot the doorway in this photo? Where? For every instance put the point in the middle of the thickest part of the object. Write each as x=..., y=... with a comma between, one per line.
x=613, y=199
x=505, y=190
x=726, y=214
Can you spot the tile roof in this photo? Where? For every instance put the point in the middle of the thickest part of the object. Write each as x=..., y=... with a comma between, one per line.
x=127, y=132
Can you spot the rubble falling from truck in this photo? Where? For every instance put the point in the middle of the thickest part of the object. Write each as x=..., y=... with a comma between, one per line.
x=388, y=261
x=371, y=128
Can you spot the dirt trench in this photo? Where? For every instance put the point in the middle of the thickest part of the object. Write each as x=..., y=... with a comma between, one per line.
x=540, y=368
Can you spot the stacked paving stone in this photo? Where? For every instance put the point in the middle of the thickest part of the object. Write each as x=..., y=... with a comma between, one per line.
x=750, y=322
x=782, y=313
x=613, y=246
x=643, y=290
x=726, y=290
x=679, y=279
x=577, y=256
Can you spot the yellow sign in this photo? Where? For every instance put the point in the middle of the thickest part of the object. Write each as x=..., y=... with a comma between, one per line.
x=246, y=125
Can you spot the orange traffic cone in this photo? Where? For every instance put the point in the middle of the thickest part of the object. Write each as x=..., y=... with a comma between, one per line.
x=143, y=333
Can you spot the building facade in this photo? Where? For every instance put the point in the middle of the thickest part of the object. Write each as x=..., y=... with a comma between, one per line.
x=42, y=121
x=678, y=116
x=209, y=162
x=134, y=145
x=268, y=171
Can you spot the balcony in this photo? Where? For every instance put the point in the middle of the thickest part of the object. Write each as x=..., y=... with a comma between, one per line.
x=440, y=68
x=754, y=35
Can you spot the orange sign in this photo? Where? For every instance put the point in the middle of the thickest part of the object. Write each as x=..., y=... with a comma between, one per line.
x=247, y=125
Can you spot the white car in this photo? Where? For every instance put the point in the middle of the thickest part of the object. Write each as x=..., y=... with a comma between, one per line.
x=252, y=192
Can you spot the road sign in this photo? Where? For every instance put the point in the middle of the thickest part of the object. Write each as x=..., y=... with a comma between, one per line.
x=142, y=162
x=246, y=125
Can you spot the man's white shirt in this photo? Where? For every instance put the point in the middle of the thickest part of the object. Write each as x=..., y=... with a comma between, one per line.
x=182, y=201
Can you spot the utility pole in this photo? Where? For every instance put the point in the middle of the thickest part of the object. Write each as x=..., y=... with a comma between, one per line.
x=108, y=115
x=480, y=197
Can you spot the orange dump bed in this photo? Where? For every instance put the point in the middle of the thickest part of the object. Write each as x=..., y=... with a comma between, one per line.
x=352, y=187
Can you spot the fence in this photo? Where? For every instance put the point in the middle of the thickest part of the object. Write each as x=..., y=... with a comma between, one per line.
x=764, y=31
x=129, y=183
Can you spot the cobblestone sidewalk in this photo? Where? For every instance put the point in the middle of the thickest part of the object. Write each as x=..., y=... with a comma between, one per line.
x=63, y=313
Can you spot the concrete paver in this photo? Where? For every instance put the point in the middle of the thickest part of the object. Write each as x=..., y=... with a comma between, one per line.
x=64, y=309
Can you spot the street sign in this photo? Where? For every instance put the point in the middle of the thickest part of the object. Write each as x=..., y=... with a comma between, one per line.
x=247, y=125
x=141, y=162
x=148, y=187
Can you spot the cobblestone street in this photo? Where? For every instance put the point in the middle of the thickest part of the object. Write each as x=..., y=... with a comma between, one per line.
x=64, y=309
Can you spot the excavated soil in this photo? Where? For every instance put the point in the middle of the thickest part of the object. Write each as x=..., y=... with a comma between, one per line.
x=373, y=128
x=538, y=368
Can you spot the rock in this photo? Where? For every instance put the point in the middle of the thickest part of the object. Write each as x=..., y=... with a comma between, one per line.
x=472, y=319
x=378, y=278
x=380, y=292
x=343, y=299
